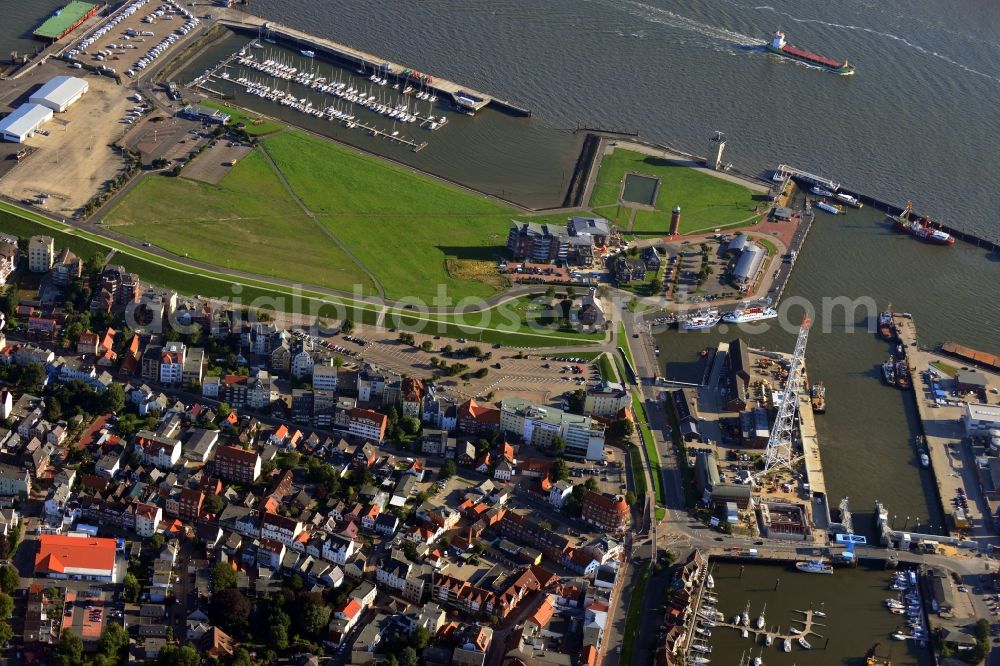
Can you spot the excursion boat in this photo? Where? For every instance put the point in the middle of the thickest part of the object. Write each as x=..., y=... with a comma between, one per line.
x=700, y=321
x=814, y=566
x=848, y=199
x=919, y=228
x=750, y=314
x=779, y=46
x=833, y=209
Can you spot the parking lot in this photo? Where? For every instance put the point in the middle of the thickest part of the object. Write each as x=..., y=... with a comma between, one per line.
x=135, y=38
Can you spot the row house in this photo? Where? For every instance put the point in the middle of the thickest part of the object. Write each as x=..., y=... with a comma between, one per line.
x=153, y=449
x=279, y=528
x=338, y=549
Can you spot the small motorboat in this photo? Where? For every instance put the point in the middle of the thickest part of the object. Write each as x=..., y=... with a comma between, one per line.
x=787, y=645
x=804, y=643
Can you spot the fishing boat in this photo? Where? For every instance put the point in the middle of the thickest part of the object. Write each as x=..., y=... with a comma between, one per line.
x=818, y=398
x=919, y=228
x=903, y=375
x=804, y=643
x=814, y=566
x=786, y=645
x=848, y=199
x=779, y=46
x=889, y=372
x=760, y=618
x=833, y=209
x=886, y=328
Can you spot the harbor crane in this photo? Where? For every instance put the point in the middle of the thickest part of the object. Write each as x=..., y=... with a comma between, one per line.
x=780, y=452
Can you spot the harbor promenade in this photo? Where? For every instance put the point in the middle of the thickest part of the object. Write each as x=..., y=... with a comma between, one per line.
x=951, y=459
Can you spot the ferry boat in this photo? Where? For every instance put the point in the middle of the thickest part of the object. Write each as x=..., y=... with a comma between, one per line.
x=750, y=314
x=833, y=209
x=700, y=321
x=814, y=566
x=889, y=372
x=818, y=398
x=885, y=326
x=779, y=46
x=848, y=199
x=919, y=228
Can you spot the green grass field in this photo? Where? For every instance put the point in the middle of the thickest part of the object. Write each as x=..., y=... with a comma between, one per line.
x=247, y=222
x=706, y=201
x=631, y=632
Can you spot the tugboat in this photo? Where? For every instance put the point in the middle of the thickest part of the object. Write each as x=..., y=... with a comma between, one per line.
x=889, y=372
x=919, y=228
x=819, y=398
x=779, y=46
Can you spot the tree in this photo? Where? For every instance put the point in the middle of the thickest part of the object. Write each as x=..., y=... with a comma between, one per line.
x=213, y=504
x=230, y=609
x=590, y=484
x=630, y=498
x=347, y=327
x=408, y=657
x=409, y=549
x=410, y=425
x=223, y=410
x=53, y=409
x=558, y=444
x=69, y=651
x=112, y=641
x=132, y=588
x=156, y=542
x=278, y=636
x=6, y=633
x=241, y=658
x=6, y=606
x=420, y=638
x=560, y=470
x=427, y=345
x=314, y=616
x=621, y=429
x=9, y=579
x=113, y=399
x=570, y=292
x=175, y=655
x=448, y=469
x=550, y=293
x=223, y=577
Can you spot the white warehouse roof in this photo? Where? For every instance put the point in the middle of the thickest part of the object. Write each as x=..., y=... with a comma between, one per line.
x=23, y=121
x=60, y=92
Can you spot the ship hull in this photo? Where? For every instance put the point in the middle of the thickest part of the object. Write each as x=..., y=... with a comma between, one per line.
x=927, y=238
x=843, y=70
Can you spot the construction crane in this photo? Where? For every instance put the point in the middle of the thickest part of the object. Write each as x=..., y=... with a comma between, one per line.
x=780, y=451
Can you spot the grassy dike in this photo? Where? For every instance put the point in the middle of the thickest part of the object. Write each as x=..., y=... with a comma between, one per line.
x=189, y=280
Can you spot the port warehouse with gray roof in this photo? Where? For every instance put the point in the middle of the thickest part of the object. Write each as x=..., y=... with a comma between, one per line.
x=749, y=263
x=60, y=92
x=54, y=97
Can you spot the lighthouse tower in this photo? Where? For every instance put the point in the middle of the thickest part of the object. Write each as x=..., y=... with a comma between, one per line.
x=718, y=144
x=675, y=221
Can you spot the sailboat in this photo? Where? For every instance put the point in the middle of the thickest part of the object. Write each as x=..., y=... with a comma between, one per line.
x=745, y=617
x=760, y=618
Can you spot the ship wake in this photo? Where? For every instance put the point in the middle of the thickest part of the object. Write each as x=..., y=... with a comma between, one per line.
x=668, y=18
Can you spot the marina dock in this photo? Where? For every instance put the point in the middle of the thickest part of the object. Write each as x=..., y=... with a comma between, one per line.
x=462, y=96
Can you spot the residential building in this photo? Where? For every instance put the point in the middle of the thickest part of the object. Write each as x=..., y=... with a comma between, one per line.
x=608, y=512
x=66, y=267
x=163, y=452
x=235, y=464
x=189, y=501
x=172, y=358
x=368, y=424
x=539, y=426
x=559, y=493
x=474, y=419
x=14, y=480
x=606, y=400
x=8, y=257
x=324, y=376
x=279, y=528
x=412, y=395
x=41, y=253
x=147, y=519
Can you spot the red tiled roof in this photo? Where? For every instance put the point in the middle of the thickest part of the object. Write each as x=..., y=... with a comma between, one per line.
x=351, y=609
x=57, y=553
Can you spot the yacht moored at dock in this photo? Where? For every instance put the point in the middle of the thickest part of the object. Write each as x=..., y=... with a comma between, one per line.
x=848, y=199
x=814, y=566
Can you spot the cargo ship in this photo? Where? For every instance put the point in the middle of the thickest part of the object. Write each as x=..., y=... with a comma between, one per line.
x=750, y=314
x=779, y=46
x=919, y=228
x=818, y=398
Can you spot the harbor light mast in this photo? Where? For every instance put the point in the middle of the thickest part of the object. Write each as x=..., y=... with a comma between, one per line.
x=779, y=453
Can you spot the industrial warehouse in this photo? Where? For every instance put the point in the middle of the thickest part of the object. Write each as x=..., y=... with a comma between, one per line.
x=54, y=97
